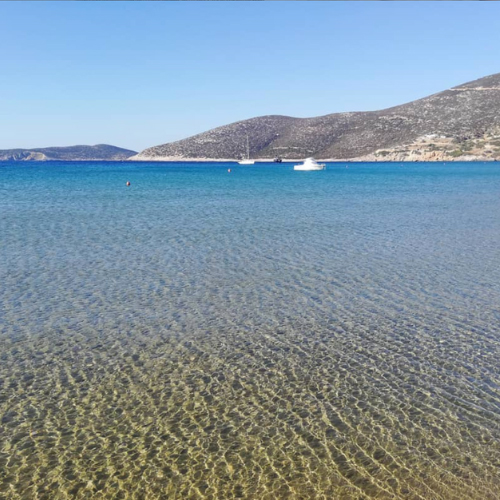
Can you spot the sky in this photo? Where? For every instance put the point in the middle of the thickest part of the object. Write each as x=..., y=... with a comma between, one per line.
x=139, y=74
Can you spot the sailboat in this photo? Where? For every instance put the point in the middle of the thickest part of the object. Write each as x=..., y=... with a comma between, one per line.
x=247, y=161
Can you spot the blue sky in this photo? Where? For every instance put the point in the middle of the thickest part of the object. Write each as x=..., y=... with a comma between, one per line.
x=138, y=74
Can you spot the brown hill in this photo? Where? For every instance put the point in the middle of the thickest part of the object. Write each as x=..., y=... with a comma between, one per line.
x=460, y=123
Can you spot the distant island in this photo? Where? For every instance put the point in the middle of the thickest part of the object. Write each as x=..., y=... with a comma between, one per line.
x=99, y=152
x=462, y=123
x=459, y=124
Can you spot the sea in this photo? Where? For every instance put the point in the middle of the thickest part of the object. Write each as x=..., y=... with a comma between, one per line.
x=217, y=331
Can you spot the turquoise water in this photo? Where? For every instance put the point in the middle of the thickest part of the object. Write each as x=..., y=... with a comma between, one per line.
x=262, y=333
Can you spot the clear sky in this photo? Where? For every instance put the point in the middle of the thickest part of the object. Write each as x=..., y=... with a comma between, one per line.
x=139, y=74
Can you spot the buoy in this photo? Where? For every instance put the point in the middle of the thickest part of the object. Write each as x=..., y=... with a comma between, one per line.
x=229, y=170
x=128, y=183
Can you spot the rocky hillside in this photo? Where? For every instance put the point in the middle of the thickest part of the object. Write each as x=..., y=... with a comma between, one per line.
x=460, y=123
x=100, y=152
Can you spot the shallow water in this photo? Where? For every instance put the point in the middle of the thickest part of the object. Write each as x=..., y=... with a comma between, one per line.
x=258, y=334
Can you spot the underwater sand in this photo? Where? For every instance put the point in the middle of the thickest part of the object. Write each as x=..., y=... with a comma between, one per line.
x=263, y=334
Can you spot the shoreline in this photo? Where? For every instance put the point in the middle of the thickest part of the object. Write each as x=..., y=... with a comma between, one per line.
x=263, y=161
x=368, y=159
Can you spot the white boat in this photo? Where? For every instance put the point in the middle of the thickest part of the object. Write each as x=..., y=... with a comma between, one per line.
x=247, y=160
x=310, y=164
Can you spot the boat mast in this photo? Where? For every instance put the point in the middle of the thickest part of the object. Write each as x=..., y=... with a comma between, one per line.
x=248, y=149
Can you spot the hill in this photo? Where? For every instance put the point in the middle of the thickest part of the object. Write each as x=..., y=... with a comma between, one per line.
x=101, y=152
x=462, y=123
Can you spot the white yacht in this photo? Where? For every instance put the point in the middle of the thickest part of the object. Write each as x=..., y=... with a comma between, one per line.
x=310, y=164
x=247, y=160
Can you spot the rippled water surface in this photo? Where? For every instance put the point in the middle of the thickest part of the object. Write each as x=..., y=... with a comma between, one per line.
x=259, y=334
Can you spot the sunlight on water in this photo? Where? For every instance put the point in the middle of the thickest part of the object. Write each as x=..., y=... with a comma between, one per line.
x=262, y=334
